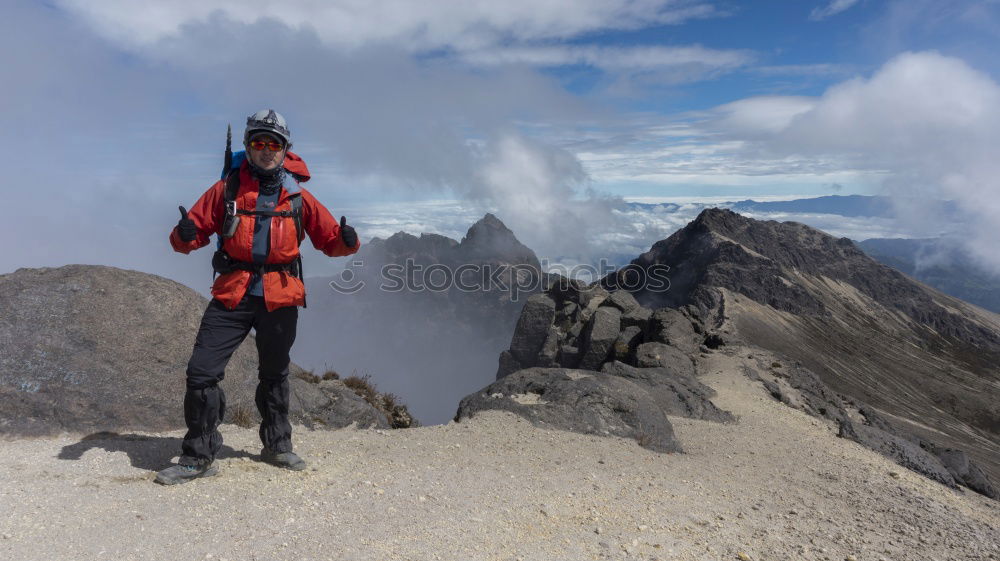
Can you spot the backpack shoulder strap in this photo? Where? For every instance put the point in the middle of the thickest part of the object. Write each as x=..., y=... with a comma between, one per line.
x=296, y=202
x=232, y=186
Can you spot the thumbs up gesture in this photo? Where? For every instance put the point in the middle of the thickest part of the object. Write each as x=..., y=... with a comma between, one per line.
x=348, y=234
x=186, y=229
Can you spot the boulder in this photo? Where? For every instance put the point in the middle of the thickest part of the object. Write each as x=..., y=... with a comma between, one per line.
x=626, y=343
x=579, y=401
x=599, y=337
x=507, y=364
x=652, y=355
x=532, y=328
x=674, y=392
x=622, y=300
x=670, y=326
x=548, y=357
x=569, y=356
x=591, y=298
x=638, y=317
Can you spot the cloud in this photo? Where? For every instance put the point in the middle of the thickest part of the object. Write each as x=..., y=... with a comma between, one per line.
x=760, y=115
x=412, y=26
x=115, y=141
x=803, y=70
x=929, y=122
x=833, y=8
x=611, y=58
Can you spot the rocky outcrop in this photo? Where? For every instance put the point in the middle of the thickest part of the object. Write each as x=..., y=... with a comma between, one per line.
x=581, y=401
x=589, y=360
x=675, y=389
x=90, y=348
x=573, y=325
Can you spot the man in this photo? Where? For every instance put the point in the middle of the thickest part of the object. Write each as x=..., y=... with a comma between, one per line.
x=261, y=213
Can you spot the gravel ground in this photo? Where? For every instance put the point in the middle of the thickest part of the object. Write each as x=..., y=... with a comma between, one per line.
x=777, y=485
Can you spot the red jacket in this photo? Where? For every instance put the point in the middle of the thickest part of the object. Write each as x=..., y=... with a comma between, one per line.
x=280, y=288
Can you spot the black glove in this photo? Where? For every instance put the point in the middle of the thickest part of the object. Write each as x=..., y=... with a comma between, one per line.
x=186, y=229
x=348, y=234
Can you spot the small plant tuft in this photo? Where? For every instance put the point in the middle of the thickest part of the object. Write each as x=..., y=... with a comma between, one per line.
x=242, y=415
x=363, y=387
x=388, y=404
x=331, y=375
x=307, y=375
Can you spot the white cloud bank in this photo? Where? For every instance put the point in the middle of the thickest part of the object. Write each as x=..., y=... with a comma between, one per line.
x=611, y=58
x=413, y=25
x=930, y=122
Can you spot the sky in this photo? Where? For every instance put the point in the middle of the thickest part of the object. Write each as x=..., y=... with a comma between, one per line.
x=422, y=116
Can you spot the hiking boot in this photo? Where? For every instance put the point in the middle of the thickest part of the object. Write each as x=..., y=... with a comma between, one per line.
x=287, y=460
x=183, y=473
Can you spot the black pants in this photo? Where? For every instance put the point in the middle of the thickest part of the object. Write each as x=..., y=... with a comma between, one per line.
x=220, y=334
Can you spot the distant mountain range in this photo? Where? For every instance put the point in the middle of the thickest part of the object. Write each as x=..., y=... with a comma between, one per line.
x=852, y=206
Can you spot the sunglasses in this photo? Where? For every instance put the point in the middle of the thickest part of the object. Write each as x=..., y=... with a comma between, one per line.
x=272, y=146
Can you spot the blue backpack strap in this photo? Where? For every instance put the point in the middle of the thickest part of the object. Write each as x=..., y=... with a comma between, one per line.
x=228, y=196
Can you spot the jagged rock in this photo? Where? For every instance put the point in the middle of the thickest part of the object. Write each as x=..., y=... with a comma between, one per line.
x=507, y=364
x=638, y=317
x=335, y=406
x=532, y=328
x=967, y=473
x=548, y=357
x=566, y=316
x=563, y=289
x=676, y=392
x=569, y=356
x=899, y=450
x=599, y=337
x=672, y=327
x=802, y=389
x=714, y=341
x=653, y=355
x=626, y=343
x=591, y=299
x=580, y=401
x=621, y=299
x=592, y=296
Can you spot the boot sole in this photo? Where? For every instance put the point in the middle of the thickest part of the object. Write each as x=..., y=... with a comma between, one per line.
x=273, y=462
x=296, y=467
x=214, y=470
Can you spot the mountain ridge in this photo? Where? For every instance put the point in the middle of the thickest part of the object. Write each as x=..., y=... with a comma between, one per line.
x=920, y=357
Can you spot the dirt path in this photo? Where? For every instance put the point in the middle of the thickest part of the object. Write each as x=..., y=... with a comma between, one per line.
x=777, y=485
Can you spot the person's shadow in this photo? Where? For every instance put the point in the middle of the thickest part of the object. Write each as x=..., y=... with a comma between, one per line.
x=145, y=452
